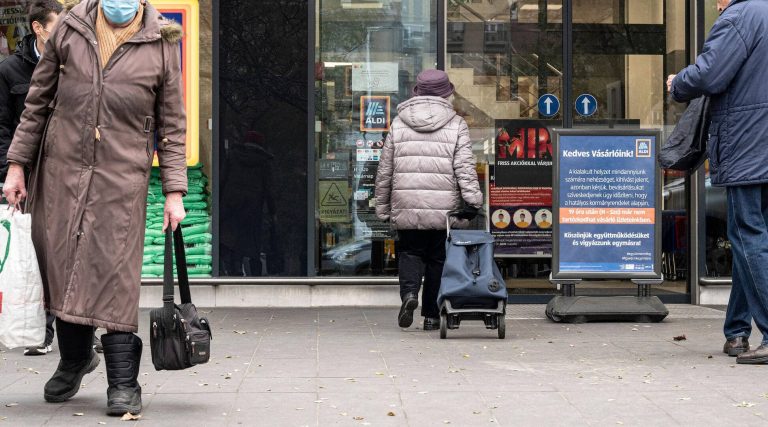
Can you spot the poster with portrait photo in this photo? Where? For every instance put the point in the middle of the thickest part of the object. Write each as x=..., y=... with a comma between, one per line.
x=520, y=193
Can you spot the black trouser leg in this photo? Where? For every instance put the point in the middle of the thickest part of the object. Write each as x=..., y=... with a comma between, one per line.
x=435, y=259
x=49, y=332
x=410, y=264
x=422, y=255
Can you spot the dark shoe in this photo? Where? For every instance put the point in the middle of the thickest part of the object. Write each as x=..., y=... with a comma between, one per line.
x=77, y=359
x=431, y=323
x=38, y=350
x=65, y=382
x=735, y=346
x=758, y=356
x=405, y=318
x=122, y=353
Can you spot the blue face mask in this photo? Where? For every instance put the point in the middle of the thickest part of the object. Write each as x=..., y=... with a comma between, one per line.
x=120, y=11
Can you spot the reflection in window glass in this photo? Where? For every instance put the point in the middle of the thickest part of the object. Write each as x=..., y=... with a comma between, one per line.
x=263, y=155
x=368, y=56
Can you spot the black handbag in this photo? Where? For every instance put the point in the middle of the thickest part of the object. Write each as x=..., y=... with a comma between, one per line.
x=686, y=147
x=179, y=337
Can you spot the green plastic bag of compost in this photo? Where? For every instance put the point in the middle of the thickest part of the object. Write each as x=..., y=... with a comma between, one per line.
x=154, y=250
x=196, y=229
x=203, y=249
x=194, y=220
x=153, y=232
x=199, y=238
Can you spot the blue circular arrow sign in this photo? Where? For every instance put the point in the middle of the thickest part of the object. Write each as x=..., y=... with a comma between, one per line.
x=549, y=105
x=586, y=104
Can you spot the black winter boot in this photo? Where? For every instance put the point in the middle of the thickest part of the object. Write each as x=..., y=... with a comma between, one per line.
x=77, y=359
x=122, y=352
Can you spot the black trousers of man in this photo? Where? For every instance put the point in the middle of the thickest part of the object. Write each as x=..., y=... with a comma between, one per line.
x=422, y=255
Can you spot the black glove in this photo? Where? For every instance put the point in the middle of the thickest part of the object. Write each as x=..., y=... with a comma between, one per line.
x=469, y=213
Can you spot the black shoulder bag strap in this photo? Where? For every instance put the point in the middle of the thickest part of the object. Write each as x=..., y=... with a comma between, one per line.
x=169, y=308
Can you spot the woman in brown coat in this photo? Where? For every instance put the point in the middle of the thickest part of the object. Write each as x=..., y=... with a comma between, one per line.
x=109, y=79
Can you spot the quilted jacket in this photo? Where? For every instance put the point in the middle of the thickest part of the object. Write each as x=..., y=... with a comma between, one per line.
x=426, y=166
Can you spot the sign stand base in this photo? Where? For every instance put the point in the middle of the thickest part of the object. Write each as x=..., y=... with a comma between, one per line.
x=571, y=308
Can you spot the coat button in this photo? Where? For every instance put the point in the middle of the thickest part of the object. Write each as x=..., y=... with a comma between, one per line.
x=165, y=139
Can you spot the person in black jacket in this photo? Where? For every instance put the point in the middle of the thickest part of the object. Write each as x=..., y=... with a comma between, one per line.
x=15, y=75
x=16, y=71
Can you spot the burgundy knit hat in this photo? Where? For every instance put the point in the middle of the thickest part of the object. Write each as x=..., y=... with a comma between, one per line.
x=433, y=83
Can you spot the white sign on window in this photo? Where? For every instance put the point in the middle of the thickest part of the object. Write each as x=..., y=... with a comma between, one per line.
x=375, y=77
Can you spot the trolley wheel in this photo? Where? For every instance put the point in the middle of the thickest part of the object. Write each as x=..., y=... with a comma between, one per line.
x=443, y=325
x=502, y=326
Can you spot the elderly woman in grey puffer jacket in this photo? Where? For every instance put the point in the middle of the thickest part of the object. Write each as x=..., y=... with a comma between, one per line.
x=426, y=169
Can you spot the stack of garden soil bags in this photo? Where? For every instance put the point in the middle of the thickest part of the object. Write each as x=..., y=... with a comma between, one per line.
x=196, y=226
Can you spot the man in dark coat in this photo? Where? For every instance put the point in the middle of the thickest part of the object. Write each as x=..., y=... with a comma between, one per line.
x=15, y=75
x=16, y=71
x=731, y=71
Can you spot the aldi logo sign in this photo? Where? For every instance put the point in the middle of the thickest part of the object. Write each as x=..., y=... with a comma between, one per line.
x=374, y=113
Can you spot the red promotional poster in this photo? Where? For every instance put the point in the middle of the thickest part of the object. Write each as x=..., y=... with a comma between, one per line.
x=13, y=26
x=520, y=196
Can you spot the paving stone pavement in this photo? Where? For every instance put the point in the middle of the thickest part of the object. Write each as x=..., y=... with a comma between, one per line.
x=355, y=367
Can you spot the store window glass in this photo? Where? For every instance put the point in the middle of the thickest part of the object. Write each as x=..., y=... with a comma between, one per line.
x=503, y=58
x=195, y=54
x=263, y=141
x=368, y=54
x=623, y=50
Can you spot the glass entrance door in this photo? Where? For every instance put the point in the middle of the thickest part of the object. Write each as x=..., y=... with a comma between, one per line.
x=506, y=60
x=622, y=52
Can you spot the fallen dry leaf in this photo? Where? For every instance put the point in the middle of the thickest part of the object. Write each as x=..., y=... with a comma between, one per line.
x=744, y=404
x=390, y=414
x=240, y=332
x=78, y=414
x=358, y=418
x=11, y=405
x=680, y=338
x=130, y=417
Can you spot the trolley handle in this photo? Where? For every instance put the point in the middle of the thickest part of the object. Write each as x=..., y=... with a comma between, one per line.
x=454, y=213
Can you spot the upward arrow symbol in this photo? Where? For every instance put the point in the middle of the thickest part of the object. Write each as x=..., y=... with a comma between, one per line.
x=585, y=102
x=548, y=103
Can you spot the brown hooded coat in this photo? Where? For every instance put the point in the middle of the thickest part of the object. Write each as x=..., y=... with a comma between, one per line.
x=96, y=128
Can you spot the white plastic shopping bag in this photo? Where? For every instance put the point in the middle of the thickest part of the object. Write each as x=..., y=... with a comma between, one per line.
x=22, y=307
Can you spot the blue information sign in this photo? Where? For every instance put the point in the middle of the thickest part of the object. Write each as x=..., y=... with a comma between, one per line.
x=606, y=204
x=586, y=104
x=549, y=105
